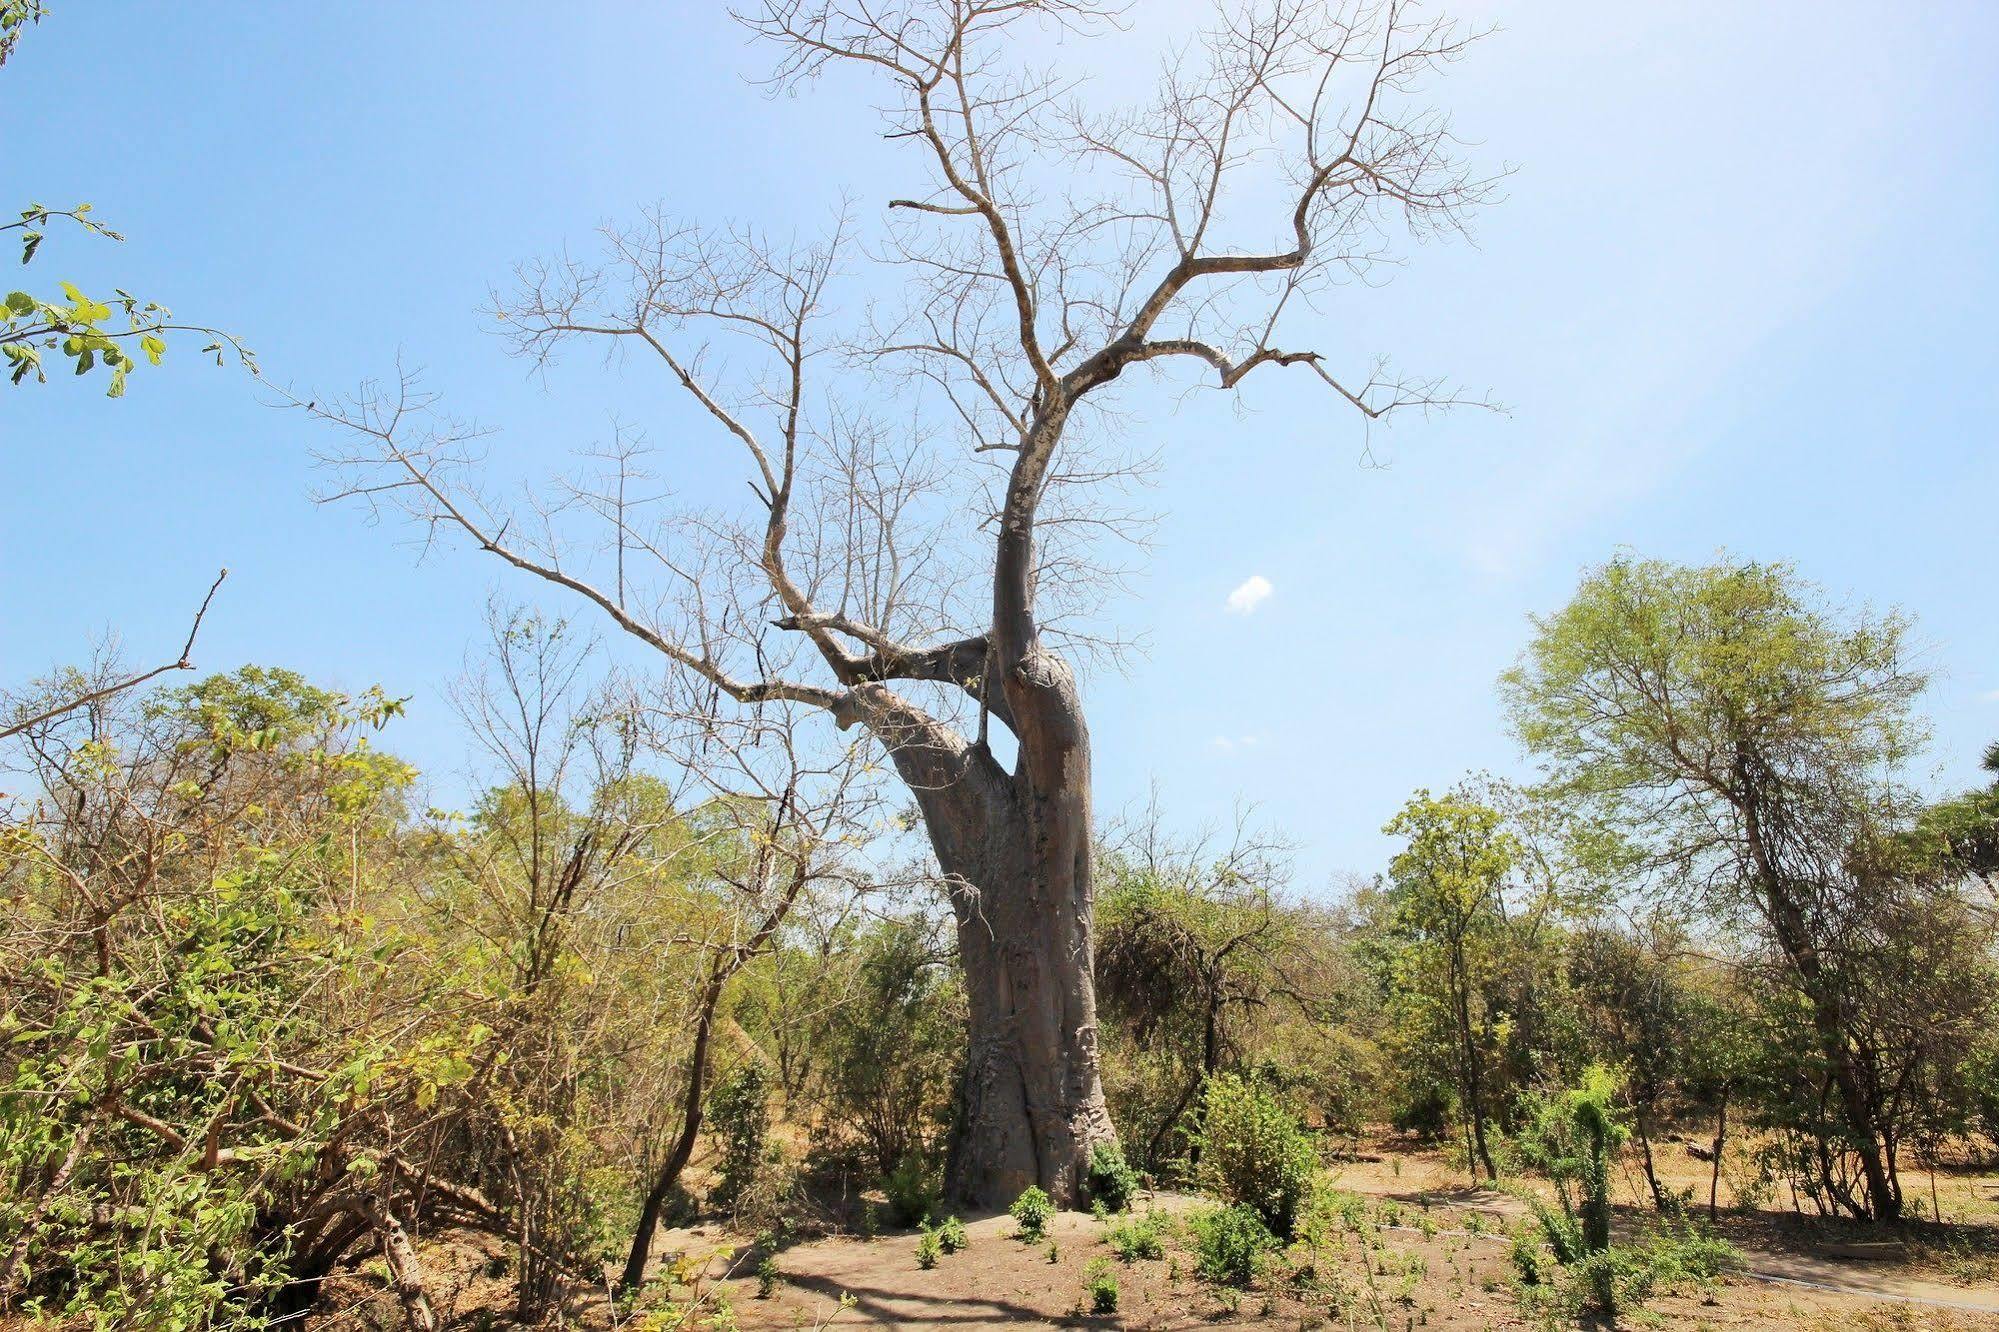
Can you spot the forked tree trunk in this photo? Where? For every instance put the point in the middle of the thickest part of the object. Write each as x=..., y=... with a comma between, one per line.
x=1015, y=848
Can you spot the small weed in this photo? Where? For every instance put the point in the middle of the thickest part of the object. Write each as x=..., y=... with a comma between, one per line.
x=1101, y=1286
x=1031, y=1212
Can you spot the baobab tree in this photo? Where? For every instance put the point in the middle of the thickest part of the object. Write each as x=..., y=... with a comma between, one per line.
x=924, y=581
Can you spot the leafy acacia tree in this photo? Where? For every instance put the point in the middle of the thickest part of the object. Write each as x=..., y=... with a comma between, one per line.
x=921, y=584
x=1747, y=736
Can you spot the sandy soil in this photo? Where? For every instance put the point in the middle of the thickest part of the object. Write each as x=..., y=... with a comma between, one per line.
x=1437, y=1260
x=1447, y=1280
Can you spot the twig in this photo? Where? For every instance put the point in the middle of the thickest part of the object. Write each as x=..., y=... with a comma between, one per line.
x=97, y=695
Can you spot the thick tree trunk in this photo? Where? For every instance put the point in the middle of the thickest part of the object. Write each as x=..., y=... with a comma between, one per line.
x=1015, y=848
x=1031, y=1106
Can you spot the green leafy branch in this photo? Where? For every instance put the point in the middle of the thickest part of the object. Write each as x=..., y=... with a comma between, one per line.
x=82, y=328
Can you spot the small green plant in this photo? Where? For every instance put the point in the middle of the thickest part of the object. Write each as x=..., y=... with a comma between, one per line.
x=1110, y=1181
x=951, y=1235
x=929, y=1249
x=1571, y=1137
x=1053, y=1252
x=1527, y=1256
x=1031, y=1212
x=1231, y=1245
x=722, y=1317
x=1138, y=1237
x=766, y=1276
x=1101, y=1286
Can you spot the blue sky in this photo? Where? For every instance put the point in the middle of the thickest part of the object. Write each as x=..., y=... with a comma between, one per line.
x=1739, y=294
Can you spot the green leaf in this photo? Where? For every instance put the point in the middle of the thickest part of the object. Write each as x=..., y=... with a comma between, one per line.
x=20, y=302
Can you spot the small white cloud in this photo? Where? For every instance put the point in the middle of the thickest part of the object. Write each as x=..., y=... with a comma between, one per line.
x=1990, y=696
x=1253, y=592
x=1228, y=743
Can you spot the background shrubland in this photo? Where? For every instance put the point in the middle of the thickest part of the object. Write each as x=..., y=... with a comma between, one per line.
x=269, y=1013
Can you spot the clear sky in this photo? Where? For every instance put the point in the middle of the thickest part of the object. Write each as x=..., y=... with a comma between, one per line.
x=1740, y=294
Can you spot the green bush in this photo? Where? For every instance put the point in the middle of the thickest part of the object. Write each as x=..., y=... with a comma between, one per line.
x=1693, y=1255
x=1030, y=1213
x=739, y=1115
x=1231, y=1244
x=1110, y=1181
x=1101, y=1286
x=891, y=1050
x=952, y=1235
x=1619, y=1277
x=1253, y=1152
x=913, y=1189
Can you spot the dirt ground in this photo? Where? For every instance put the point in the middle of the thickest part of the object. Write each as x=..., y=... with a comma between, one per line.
x=1433, y=1256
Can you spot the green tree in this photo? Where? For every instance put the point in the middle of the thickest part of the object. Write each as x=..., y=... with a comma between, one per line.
x=1449, y=918
x=1746, y=736
x=892, y=1055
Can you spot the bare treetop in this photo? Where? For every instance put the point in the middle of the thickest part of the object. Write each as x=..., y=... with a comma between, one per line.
x=1048, y=249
